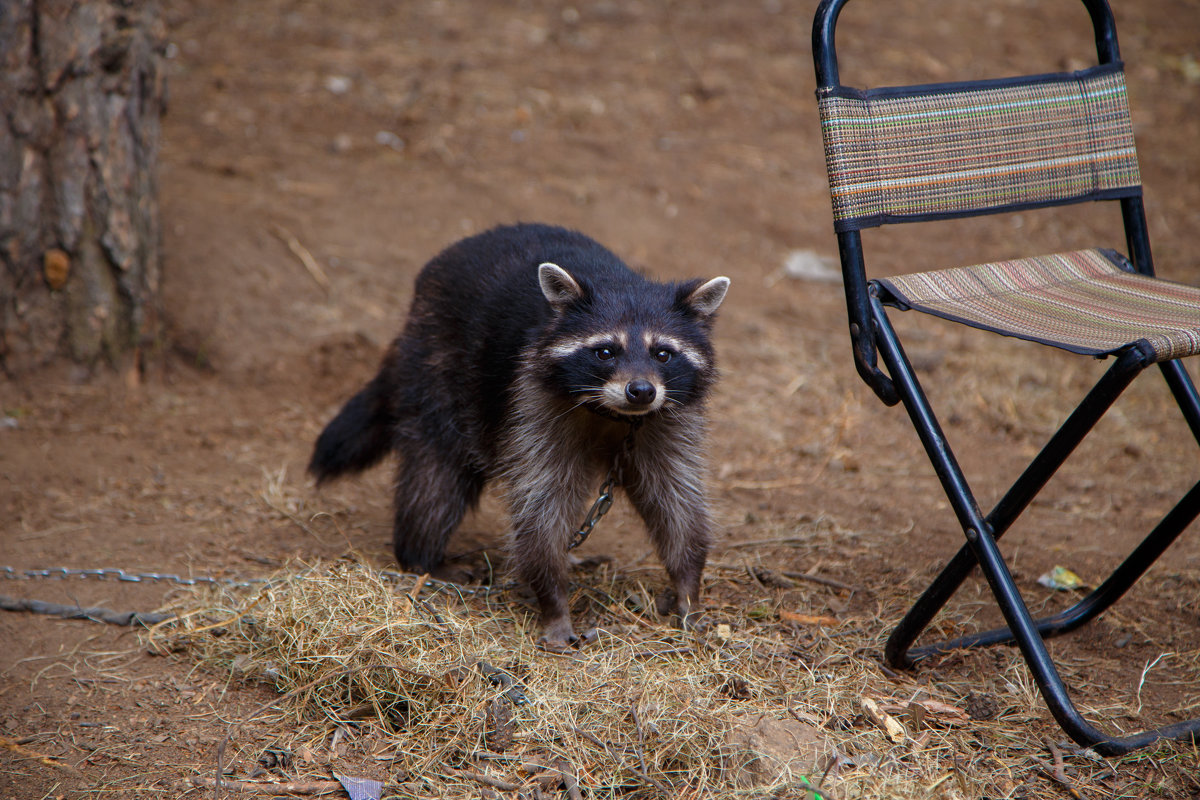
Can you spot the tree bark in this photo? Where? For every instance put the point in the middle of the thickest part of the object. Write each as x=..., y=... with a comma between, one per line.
x=81, y=94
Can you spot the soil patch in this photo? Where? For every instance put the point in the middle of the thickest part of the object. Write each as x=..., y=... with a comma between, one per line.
x=364, y=137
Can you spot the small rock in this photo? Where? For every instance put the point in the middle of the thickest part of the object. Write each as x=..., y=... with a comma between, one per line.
x=338, y=84
x=809, y=265
x=761, y=750
x=389, y=139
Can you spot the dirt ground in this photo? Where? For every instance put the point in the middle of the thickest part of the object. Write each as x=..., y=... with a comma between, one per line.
x=363, y=137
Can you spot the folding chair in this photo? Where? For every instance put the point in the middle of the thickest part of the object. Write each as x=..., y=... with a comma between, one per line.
x=952, y=150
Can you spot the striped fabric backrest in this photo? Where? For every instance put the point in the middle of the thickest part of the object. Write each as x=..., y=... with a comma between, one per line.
x=949, y=150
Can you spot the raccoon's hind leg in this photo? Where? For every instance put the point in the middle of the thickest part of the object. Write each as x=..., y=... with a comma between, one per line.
x=666, y=489
x=433, y=492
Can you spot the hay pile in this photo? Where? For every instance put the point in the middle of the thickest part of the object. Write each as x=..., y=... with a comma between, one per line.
x=641, y=711
x=453, y=698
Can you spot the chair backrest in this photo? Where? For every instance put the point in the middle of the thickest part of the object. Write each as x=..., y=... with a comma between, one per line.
x=950, y=150
x=938, y=151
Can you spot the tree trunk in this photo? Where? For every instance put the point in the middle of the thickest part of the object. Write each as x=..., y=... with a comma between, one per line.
x=81, y=93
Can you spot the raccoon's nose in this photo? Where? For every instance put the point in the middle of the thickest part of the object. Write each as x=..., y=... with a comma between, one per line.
x=639, y=392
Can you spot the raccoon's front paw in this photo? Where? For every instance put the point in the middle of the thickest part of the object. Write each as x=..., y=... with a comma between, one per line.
x=685, y=615
x=557, y=636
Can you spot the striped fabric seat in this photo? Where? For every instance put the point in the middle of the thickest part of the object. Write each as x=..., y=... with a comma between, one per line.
x=938, y=151
x=1086, y=301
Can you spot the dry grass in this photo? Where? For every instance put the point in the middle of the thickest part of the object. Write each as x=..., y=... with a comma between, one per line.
x=445, y=695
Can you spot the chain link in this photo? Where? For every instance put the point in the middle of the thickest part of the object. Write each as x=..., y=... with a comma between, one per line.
x=605, y=500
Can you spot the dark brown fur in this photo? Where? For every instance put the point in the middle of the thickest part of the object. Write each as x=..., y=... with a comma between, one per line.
x=511, y=368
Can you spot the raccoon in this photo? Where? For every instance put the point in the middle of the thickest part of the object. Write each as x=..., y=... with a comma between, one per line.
x=527, y=353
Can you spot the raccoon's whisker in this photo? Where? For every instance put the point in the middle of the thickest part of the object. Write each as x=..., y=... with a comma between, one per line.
x=582, y=402
x=587, y=393
x=577, y=404
x=671, y=396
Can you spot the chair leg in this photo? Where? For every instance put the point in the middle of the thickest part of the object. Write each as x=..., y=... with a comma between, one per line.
x=898, y=652
x=983, y=549
x=1026, y=487
x=1046, y=676
x=1091, y=606
x=1185, y=394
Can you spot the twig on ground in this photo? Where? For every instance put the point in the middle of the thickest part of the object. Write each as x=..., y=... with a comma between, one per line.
x=415, y=593
x=301, y=252
x=637, y=723
x=1057, y=773
x=830, y=582
x=1058, y=758
x=1142, y=681
x=800, y=576
x=831, y=769
x=570, y=783
x=24, y=752
x=273, y=788
x=486, y=780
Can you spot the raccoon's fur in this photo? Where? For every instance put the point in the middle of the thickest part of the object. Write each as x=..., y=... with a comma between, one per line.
x=527, y=351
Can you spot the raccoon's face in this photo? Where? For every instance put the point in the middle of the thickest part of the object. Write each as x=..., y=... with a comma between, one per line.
x=628, y=372
x=632, y=357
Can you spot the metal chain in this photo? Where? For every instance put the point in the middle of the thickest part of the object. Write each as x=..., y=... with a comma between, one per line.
x=605, y=500
x=93, y=613
x=120, y=575
x=112, y=574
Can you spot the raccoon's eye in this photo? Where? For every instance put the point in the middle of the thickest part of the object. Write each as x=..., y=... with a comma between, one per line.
x=604, y=353
x=663, y=355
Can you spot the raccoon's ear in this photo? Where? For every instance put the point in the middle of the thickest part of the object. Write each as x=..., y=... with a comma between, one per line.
x=558, y=286
x=706, y=298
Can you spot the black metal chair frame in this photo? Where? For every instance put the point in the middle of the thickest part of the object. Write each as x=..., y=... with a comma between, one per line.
x=873, y=337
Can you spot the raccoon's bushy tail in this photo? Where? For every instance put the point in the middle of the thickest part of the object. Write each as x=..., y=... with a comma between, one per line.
x=359, y=436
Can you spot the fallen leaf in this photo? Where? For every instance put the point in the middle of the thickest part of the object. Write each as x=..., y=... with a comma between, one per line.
x=884, y=721
x=808, y=619
x=1061, y=579
x=939, y=711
